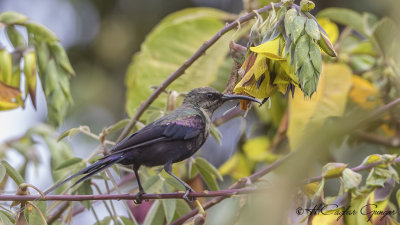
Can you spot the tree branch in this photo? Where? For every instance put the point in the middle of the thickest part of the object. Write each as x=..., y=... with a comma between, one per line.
x=377, y=139
x=224, y=193
x=181, y=70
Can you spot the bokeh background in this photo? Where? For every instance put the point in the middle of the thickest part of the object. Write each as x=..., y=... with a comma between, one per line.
x=101, y=36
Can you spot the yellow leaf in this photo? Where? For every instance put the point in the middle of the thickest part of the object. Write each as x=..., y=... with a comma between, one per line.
x=270, y=49
x=256, y=149
x=364, y=93
x=330, y=28
x=333, y=169
x=329, y=217
x=260, y=66
x=284, y=76
x=311, y=189
x=10, y=97
x=330, y=100
x=373, y=159
x=237, y=166
x=387, y=130
x=250, y=87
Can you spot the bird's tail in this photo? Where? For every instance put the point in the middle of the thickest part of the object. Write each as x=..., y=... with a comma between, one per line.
x=96, y=167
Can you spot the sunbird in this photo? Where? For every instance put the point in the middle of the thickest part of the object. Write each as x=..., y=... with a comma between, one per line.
x=170, y=139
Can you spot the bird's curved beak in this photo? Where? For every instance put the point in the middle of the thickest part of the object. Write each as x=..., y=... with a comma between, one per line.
x=240, y=97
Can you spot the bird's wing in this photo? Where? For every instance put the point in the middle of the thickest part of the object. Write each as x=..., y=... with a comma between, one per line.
x=182, y=129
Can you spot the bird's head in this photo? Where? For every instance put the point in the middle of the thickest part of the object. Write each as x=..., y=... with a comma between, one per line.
x=210, y=99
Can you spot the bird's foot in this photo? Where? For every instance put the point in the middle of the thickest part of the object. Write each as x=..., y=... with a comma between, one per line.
x=139, y=197
x=187, y=197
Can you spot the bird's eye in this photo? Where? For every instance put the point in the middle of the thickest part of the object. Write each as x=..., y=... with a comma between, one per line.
x=210, y=96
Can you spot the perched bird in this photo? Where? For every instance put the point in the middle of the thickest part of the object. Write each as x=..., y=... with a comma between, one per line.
x=170, y=139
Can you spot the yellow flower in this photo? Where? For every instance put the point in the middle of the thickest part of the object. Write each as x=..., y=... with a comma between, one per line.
x=264, y=71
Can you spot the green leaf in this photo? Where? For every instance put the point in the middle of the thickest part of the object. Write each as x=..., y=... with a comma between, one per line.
x=68, y=163
x=362, y=62
x=117, y=126
x=315, y=56
x=59, y=152
x=155, y=216
x=169, y=206
x=301, y=52
x=2, y=172
x=4, y=219
x=364, y=47
x=56, y=87
x=182, y=208
x=215, y=133
x=351, y=179
x=330, y=101
x=105, y=221
x=11, y=17
x=30, y=75
x=126, y=220
x=172, y=181
x=153, y=184
x=326, y=45
x=12, y=173
x=297, y=28
x=168, y=46
x=43, y=57
x=378, y=176
x=5, y=66
x=398, y=197
x=86, y=189
x=207, y=177
x=201, y=162
x=15, y=37
x=16, y=75
x=61, y=57
x=72, y=132
x=289, y=18
x=308, y=78
x=193, y=171
x=312, y=29
x=34, y=218
x=369, y=22
x=344, y=16
x=41, y=33
x=387, y=35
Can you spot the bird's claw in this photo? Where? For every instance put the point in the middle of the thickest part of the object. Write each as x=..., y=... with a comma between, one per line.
x=138, y=197
x=187, y=197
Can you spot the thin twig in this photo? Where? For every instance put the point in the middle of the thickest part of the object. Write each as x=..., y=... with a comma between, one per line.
x=178, y=195
x=377, y=139
x=181, y=70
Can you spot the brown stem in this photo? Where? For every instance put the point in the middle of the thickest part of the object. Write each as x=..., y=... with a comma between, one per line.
x=377, y=139
x=224, y=193
x=60, y=210
x=181, y=70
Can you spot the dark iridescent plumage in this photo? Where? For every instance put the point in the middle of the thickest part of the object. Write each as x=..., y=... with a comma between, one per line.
x=170, y=139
